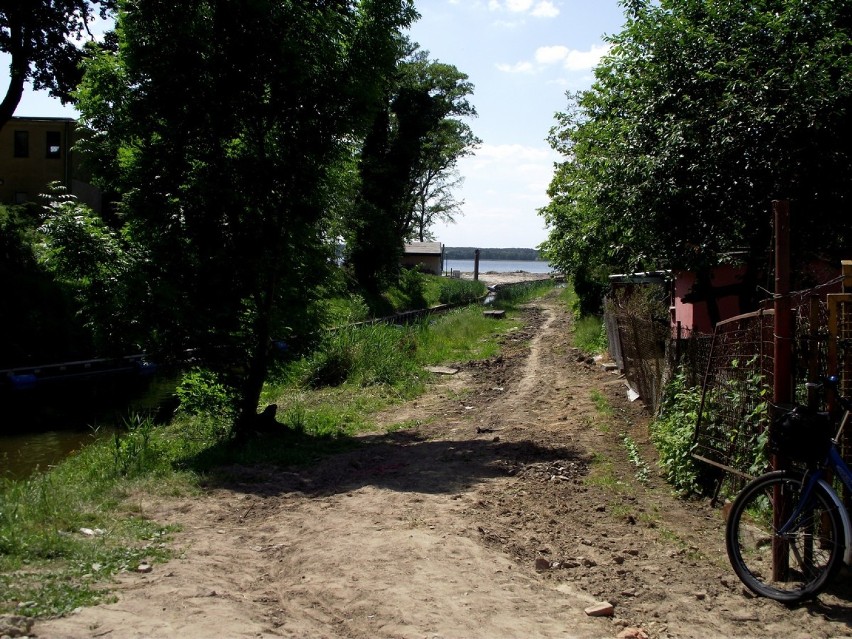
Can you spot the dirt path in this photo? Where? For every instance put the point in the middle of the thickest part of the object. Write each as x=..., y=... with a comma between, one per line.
x=508, y=511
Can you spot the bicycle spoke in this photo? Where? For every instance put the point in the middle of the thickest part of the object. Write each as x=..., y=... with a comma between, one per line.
x=788, y=566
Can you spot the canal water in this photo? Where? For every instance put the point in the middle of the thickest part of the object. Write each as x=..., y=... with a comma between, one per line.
x=41, y=426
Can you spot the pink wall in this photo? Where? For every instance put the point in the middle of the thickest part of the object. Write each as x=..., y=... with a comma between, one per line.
x=695, y=316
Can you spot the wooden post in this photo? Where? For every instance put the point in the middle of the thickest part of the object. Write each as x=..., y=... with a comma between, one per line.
x=476, y=265
x=782, y=365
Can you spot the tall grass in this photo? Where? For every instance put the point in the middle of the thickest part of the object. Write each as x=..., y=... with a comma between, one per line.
x=516, y=294
x=589, y=331
x=458, y=336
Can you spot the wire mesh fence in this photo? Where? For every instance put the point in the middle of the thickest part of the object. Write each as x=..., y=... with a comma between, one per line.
x=734, y=368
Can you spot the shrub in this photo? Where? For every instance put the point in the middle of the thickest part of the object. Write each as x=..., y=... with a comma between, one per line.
x=412, y=287
x=673, y=433
x=201, y=392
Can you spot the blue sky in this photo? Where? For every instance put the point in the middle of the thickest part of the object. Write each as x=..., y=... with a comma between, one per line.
x=521, y=56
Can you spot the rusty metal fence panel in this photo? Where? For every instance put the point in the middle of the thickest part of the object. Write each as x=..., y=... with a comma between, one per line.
x=737, y=390
x=734, y=368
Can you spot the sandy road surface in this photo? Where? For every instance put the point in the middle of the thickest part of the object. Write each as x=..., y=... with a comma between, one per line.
x=507, y=511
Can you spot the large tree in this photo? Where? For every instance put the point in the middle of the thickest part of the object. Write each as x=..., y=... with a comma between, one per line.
x=701, y=115
x=43, y=39
x=218, y=122
x=407, y=163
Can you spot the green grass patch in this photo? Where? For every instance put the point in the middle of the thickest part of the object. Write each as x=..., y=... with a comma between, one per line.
x=589, y=335
x=589, y=331
x=514, y=295
x=414, y=291
x=460, y=335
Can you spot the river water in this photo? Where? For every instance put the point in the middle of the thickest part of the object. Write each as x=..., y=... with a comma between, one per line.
x=498, y=266
x=41, y=426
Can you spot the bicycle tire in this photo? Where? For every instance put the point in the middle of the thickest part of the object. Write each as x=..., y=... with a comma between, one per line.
x=812, y=549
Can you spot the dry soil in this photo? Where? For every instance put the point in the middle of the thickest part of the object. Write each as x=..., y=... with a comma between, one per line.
x=509, y=511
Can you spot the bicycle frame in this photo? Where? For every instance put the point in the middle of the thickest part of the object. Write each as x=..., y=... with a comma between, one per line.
x=816, y=477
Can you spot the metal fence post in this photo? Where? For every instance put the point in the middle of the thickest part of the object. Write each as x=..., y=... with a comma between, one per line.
x=782, y=364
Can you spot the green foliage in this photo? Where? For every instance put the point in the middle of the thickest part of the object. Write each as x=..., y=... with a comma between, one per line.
x=700, y=115
x=589, y=334
x=363, y=355
x=223, y=127
x=737, y=412
x=79, y=249
x=62, y=536
x=406, y=164
x=673, y=434
x=512, y=296
x=460, y=335
x=412, y=290
x=134, y=452
x=203, y=393
x=345, y=310
x=41, y=38
x=41, y=322
x=734, y=413
x=642, y=470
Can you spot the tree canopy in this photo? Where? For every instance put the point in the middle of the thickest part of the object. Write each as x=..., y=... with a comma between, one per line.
x=42, y=38
x=701, y=114
x=218, y=123
x=407, y=161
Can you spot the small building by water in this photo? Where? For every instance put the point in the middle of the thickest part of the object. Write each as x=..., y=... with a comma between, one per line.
x=429, y=256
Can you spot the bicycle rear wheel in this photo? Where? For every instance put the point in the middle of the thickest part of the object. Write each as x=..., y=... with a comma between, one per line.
x=792, y=566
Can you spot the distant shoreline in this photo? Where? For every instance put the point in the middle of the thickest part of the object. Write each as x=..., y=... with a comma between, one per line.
x=496, y=254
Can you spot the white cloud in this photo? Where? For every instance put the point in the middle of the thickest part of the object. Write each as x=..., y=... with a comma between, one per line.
x=545, y=9
x=570, y=59
x=551, y=55
x=540, y=9
x=519, y=67
x=518, y=6
x=584, y=60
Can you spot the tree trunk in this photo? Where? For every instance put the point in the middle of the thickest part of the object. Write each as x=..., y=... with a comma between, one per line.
x=17, y=73
x=258, y=365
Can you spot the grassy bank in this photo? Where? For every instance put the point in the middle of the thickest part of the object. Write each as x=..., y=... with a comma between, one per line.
x=64, y=533
x=589, y=332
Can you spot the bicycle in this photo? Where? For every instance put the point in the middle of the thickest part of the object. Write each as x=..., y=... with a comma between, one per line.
x=787, y=531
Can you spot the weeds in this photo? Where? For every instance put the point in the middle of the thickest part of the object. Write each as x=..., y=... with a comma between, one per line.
x=673, y=435
x=642, y=471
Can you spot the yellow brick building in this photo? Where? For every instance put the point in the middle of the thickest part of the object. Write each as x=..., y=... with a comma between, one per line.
x=35, y=152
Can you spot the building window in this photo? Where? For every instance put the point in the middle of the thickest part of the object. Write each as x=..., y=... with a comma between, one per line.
x=22, y=144
x=54, y=144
